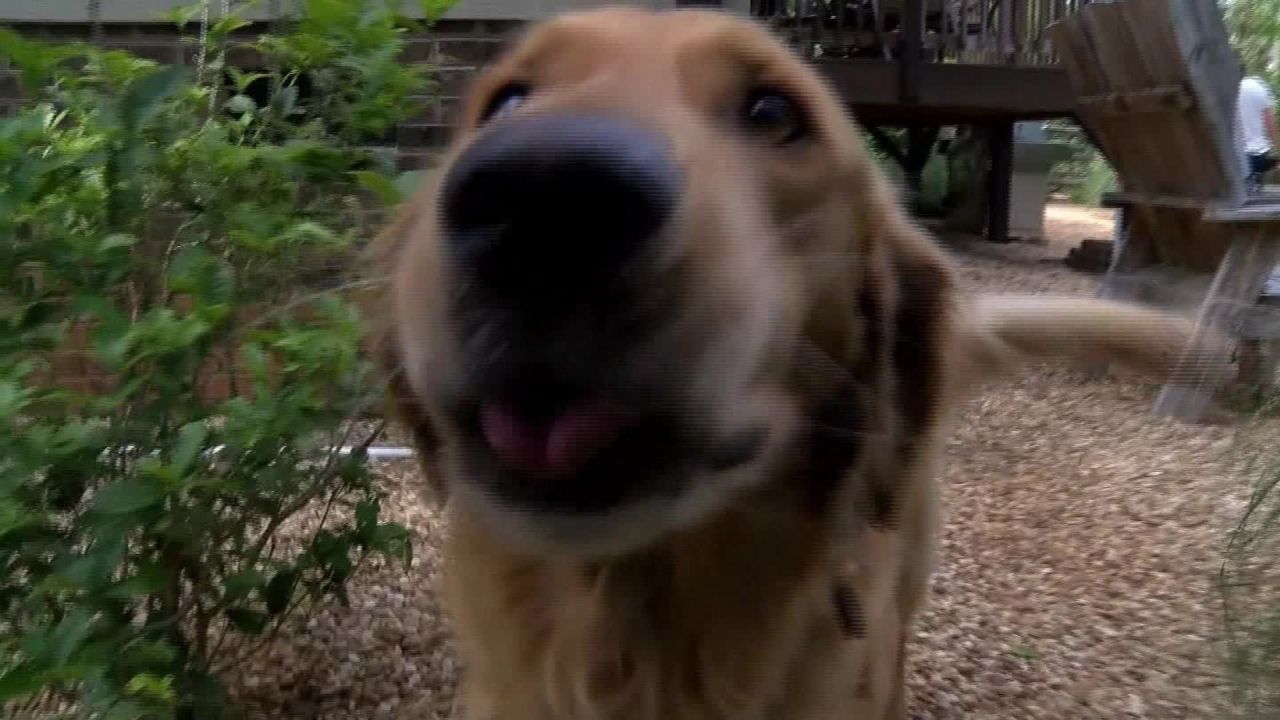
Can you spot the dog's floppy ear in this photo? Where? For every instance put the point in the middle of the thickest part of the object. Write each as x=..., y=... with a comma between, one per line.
x=884, y=325
x=381, y=317
x=1003, y=332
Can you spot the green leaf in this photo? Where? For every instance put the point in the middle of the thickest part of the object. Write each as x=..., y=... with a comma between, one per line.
x=182, y=15
x=246, y=620
x=116, y=240
x=144, y=97
x=69, y=635
x=189, y=446
x=366, y=516
x=21, y=681
x=149, y=579
x=279, y=591
x=433, y=10
x=240, y=104
x=228, y=25
x=310, y=233
x=127, y=496
x=240, y=584
x=393, y=540
x=143, y=652
x=386, y=190
x=152, y=687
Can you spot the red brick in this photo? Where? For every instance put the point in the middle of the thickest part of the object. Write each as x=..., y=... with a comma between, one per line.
x=422, y=136
x=10, y=87
x=452, y=82
x=466, y=52
x=448, y=110
x=456, y=27
x=419, y=50
x=165, y=53
x=415, y=161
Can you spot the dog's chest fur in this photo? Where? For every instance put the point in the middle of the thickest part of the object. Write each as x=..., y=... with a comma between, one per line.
x=753, y=617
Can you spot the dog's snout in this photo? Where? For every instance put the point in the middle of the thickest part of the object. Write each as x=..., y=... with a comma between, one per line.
x=552, y=202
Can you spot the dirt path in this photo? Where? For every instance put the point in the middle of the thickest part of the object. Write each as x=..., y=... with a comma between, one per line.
x=1081, y=542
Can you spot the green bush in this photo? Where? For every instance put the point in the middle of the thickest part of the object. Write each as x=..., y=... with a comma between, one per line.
x=1097, y=180
x=165, y=226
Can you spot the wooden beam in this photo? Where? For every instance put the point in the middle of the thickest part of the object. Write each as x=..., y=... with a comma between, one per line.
x=951, y=93
x=1259, y=209
x=1259, y=213
x=1125, y=199
x=1161, y=99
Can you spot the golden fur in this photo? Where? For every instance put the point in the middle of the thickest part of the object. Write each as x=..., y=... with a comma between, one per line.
x=808, y=300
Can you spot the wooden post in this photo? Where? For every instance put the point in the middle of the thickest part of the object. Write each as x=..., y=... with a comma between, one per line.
x=1236, y=286
x=1000, y=179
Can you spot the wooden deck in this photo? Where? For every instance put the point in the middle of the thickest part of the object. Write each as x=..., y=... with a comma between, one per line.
x=950, y=93
x=926, y=64
x=932, y=62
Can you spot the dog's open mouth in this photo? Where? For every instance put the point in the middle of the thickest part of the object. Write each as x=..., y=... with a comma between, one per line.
x=555, y=443
x=545, y=444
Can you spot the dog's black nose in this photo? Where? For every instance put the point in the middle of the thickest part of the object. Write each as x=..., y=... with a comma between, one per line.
x=550, y=203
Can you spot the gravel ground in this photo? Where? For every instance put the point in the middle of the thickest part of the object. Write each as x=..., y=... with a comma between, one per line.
x=1082, y=540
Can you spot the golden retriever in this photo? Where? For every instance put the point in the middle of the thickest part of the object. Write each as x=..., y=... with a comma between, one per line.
x=682, y=368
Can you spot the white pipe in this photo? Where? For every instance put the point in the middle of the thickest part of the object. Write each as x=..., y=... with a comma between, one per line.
x=376, y=453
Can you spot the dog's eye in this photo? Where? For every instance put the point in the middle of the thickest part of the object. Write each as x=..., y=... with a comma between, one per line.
x=775, y=116
x=505, y=101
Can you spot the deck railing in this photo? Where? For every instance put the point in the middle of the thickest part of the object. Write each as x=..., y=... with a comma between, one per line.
x=981, y=32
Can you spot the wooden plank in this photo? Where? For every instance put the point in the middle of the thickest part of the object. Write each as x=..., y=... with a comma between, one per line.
x=1082, y=72
x=1152, y=164
x=1126, y=198
x=950, y=90
x=1213, y=211
x=1148, y=100
x=1236, y=286
x=1085, y=78
x=1214, y=72
x=1184, y=137
x=1245, y=214
x=1096, y=48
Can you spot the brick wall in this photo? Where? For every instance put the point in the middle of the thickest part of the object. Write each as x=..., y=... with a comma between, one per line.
x=456, y=47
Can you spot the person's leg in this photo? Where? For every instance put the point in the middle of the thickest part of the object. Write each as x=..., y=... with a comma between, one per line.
x=1262, y=162
x=1259, y=164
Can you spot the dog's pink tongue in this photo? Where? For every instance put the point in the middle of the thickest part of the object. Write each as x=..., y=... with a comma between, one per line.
x=555, y=448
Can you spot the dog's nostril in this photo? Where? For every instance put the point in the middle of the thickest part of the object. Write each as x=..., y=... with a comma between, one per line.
x=558, y=198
